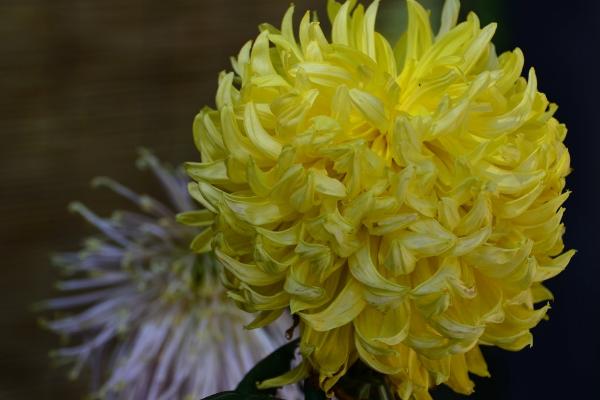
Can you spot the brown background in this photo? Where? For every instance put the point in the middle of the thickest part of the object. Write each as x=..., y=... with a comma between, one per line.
x=83, y=83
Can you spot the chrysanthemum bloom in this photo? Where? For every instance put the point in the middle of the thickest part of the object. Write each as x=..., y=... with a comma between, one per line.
x=403, y=201
x=150, y=316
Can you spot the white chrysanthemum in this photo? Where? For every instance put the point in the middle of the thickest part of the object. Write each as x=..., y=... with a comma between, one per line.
x=150, y=317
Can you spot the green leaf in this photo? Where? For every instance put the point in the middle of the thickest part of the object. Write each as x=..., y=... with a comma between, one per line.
x=224, y=396
x=237, y=396
x=312, y=392
x=275, y=364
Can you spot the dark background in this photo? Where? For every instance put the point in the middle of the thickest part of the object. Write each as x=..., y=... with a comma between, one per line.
x=83, y=83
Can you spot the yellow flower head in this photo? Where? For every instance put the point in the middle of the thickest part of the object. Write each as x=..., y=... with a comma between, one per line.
x=403, y=201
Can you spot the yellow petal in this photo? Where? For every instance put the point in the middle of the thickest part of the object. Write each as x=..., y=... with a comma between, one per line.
x=296, y=374
x=261, y=139
x=343, y=309
x=247, y=272
x=449, y=16
x=364, y=270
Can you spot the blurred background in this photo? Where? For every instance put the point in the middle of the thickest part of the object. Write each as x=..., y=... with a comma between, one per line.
x=84, y=83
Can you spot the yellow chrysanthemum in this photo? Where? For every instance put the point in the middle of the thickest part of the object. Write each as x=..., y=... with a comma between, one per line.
x=403, y=201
